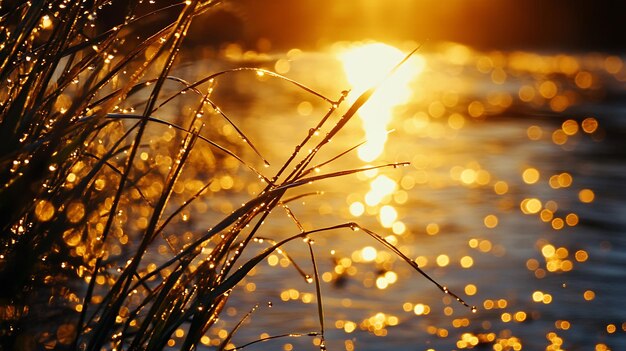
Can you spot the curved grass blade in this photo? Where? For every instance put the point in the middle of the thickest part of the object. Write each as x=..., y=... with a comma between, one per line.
x=313, y=179
x=236, y=328
x=237, y=276
x=318, y=292
x=284, y=253
x=413, y=264
x=272, y=337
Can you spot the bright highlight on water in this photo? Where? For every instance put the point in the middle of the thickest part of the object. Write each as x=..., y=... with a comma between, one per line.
x=366, y=65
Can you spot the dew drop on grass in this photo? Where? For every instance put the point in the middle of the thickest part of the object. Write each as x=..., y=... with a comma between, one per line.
x=308, y=279
x=269, y=304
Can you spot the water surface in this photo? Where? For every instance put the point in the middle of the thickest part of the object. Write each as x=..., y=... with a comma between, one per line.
x=514, y=199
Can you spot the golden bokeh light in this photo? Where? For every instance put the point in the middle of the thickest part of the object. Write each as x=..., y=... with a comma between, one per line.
x=380, y=187
x=388, y=216
x=476, y=109
x=589, y=125
x=548, y=89
x=534, y=132
x=368, y=254
x=570, y=127
x=530, y=175
x=501, y=187
x=44, y=210
x=357, y=208
x=586, y=195
x=443, y=260
x=470, y=289
x=531, y=206
x=491, y=221
x=467, y=261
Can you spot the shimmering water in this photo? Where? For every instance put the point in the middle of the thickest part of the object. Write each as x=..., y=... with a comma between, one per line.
x=514, y=199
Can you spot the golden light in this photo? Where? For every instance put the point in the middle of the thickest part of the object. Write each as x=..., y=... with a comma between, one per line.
x=468, y=176
x=467, y=261
x=380, y=187
x=491, y=221
x=534, y=132
x=391, y=277
x=589, y=125
x=610, y=328
x=548, y=89
x=581, y=256
x=570, y=127
x=388, y=215
x=501, y=187
x=548, y=250
x=530, y=175
x=443, y=260
x=369, y=254
x=357, y=209
x=46, y=22
x=349, y=327
x=366, y=65
x=586, y=195
x=476, y=109
x=531, y=206
x=470, y=289
x=421, y=309
x=432, y=228
x=44, y=211
x=571, y=219
x=613, y=64
x=398, y=228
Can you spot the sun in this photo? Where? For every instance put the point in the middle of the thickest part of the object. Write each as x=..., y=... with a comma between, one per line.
x=366, y=65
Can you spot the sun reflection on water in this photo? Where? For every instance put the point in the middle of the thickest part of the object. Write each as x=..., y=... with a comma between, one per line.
x=365, y=65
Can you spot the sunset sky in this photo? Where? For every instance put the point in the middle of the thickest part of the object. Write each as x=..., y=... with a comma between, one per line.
x=487, y=24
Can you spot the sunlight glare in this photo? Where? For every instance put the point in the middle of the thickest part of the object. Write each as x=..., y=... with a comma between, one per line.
x=368, y=254
x=365, y=65
x=379, y=188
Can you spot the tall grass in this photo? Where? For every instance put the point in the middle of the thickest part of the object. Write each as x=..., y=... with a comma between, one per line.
x=97, y=175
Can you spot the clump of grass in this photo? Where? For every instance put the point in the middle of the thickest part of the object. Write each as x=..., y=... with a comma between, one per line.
x=94, y=173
